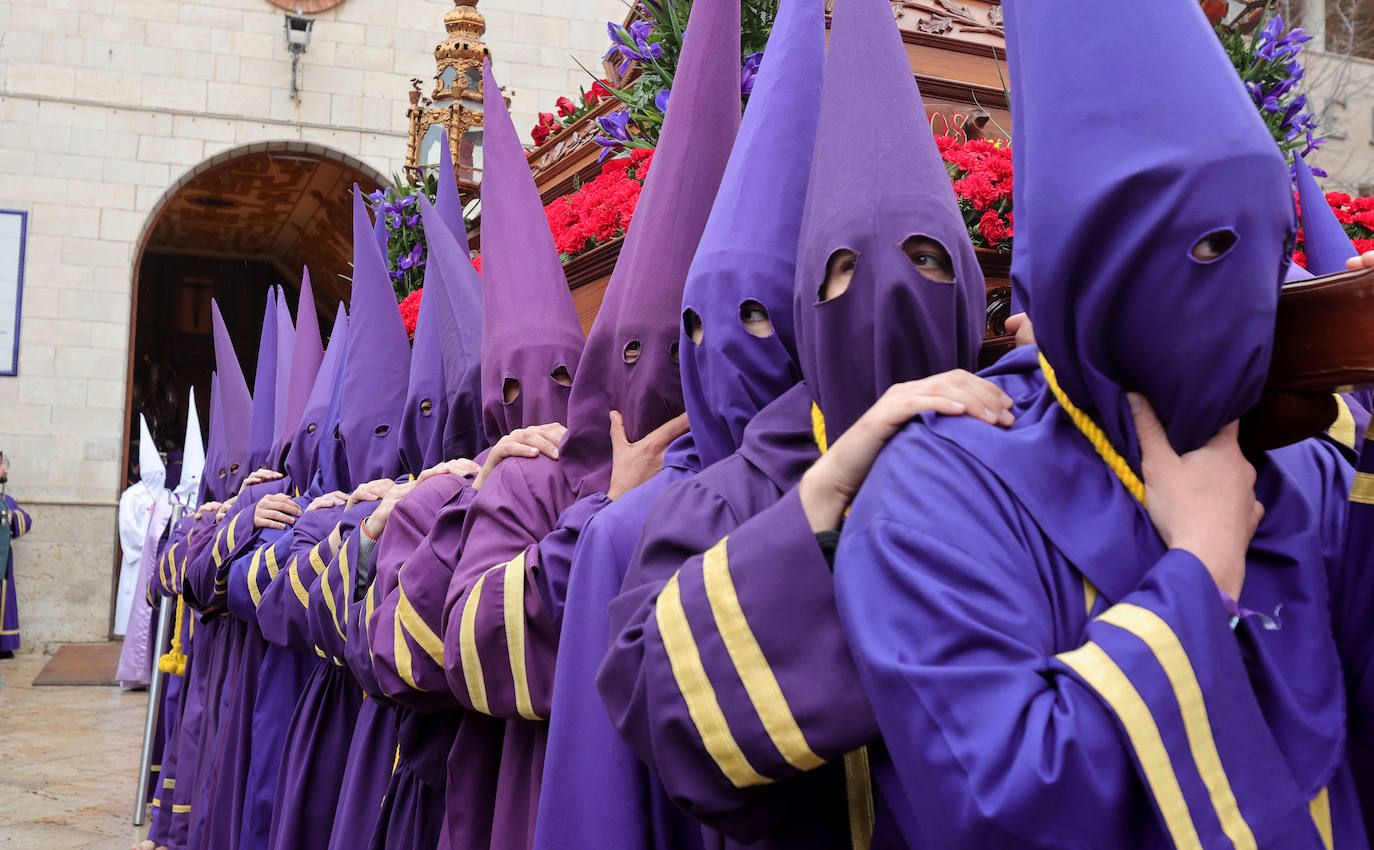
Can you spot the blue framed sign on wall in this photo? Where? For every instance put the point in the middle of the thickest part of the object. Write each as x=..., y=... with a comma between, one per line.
x=13, y=228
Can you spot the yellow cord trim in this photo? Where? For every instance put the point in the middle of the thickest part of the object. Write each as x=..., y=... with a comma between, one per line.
x=818, y=427
x=1104, y=676
x=173, y=663
x=858, y=780
x=695, y=686
x=467, y=641
x=1115, y=462
x=1169, y=652
x=750, y=663
x=513, y=608
x=1320, y=807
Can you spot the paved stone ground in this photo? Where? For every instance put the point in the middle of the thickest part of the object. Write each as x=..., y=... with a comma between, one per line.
x=68, y=762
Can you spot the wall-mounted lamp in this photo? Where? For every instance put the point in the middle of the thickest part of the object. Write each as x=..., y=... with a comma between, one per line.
x=298, y=28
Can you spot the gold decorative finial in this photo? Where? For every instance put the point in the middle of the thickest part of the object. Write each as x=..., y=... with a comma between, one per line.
x=455, y=107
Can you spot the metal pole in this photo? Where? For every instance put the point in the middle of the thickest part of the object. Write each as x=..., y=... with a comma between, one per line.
x=145, y=760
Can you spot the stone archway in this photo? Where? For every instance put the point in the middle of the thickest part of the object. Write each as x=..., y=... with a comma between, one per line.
x=242, y=220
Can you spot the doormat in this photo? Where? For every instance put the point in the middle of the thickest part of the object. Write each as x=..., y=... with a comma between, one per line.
x=81, y=664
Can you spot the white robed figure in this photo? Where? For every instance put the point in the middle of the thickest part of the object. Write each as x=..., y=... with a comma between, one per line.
x=136, y=506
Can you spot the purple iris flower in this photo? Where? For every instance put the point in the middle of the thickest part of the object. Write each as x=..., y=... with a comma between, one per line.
x=412, y=221
x=407, y=201
x=377, y=197
x=616, y=125
x=749, y=71
x=393, y=220
x=661, y=101
x=632, y=44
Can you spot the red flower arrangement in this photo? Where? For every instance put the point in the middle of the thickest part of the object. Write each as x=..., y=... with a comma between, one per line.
x=981, y=173
x=568, y=112
x=602, y=209
x=1355, y=214
x=410, y=311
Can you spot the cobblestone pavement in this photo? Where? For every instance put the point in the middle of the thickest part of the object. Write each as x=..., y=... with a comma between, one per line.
x=68, y=762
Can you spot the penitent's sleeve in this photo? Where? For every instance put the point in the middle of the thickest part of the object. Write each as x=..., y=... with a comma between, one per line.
x=1352, y=597
x=1143, y=731
x=20, y=521
x=283, y=610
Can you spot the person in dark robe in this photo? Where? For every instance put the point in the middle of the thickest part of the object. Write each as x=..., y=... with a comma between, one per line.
x=735, y=359
x=518, y=535
x=728, y=672
x=1106, y=625
x=17, y=523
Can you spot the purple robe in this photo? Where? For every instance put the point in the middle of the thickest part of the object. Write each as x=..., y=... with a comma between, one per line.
x=593, y=783
x=20, y=523
x=1074, y=677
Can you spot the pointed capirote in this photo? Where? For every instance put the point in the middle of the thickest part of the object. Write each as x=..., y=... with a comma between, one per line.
x=1142, y=234
x=447, y=201
x=426, y=405
x=307, y=353
x=1324, y=239
x=192, y=455
x=236, y=407
x=629, y=363
x=262, y=428
x=151, y=470
x=532, y=336
x=747, y=259
x=377, y=365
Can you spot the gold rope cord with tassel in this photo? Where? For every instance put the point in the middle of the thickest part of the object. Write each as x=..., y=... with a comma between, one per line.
x=173, y=662
x=1096, y=437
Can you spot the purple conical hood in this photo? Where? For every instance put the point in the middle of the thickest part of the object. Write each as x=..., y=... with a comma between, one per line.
x=533, y=338
x=459, y=315
x=263, y=421
x=307, y=353
x=286, y=346
x=748, y=254
x=447, y=200
x=877, y=180
x=629, y=361
x=1325, y=241
x=213, y=477
x=302, y=454
x=236, y=407
x=422, y=420
x=331, y=459
x=377, y=365
x=1156, y=249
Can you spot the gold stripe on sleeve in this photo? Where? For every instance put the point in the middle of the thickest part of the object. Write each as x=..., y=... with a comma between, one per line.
x=316, y=562
x=1343, y=429
x=467, y=641
x=253, y=577
x=294, y=572
x=1089, y=596
x=271, y=557
x=513, y=607
x=1362, y=491
x=347, y=572
x=405, y=665
x=1320, y=807
x=1103, y=676
x=328, y=593
x=750, y=663
x=1169, y=652
x=692, y=682
x=232, y=525
x=415, y=626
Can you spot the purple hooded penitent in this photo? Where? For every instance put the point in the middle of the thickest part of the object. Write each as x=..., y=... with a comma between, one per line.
x=307, y=355
x=1130, y=239
x=533, y=338
x=632, y=350
x=264, y=418
x=377, y=364
x=1325, y=241
x=747, y=258
x=236, y=409
x=426, y=407
x=286, y=347
x=877, y=180
x=447, y=200
x=303, y=454
x=212, y=479
x=1079, y=658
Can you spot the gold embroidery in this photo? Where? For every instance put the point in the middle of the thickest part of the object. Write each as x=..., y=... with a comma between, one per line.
x=467, y=641
x=750, y=663
x=513, y=607
x=692, y=682
x=1104, y=676
x=1169, y=652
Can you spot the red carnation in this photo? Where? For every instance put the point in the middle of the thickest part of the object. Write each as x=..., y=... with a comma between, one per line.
x=1300, y=258
x=477, y=263
x=410, y=311
x=992, y=228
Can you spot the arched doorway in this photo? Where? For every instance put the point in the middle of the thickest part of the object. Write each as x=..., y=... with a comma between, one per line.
x=231, y=227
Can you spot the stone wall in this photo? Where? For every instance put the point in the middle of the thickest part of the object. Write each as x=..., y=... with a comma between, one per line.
x=104, y=104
